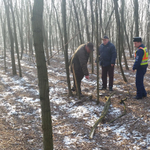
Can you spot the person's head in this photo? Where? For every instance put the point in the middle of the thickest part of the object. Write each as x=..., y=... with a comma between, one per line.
x=89, y=47
x=105, y=40
x=137, y=41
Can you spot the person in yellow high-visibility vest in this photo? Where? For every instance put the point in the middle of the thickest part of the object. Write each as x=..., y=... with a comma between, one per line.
x=140, y=65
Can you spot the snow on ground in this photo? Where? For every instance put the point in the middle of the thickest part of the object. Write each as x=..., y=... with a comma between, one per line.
x=20, y=108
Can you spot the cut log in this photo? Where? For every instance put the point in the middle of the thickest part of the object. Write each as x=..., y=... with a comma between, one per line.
x=104, y=113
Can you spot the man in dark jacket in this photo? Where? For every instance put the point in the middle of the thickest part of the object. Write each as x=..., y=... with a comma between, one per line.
x=107, y=52
x=140, y=64
x=79, y=63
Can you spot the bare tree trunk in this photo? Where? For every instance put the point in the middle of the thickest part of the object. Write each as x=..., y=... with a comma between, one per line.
x=86, y=19
x=106, y=28
x=11, y=38
x=20, y=27
x=97, y=50
x=148, y=25
x=122, y=34
x=50, y=33
x=136, y=17
x=37, y=25
x=101, y=31
x=16, y=41
x=66, y=46
x=131, y=39
x=59, y=27
x=92, y=22
x=46, y=43
x=127, y=38
x=3, y=25
x=29, y=31
x=78, y=25
x=119, y=35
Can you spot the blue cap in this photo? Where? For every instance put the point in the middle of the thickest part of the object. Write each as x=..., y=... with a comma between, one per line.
x=105, y=37
x=137, y=39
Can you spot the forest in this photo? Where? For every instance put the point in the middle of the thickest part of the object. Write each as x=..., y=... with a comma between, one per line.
x=38, y=109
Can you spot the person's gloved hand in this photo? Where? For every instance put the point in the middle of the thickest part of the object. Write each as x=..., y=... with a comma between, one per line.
x=87, y=77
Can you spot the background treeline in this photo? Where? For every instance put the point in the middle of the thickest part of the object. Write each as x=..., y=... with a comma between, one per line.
x=17, y=35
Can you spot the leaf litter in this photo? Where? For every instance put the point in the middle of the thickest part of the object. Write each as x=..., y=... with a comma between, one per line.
x=20, y=118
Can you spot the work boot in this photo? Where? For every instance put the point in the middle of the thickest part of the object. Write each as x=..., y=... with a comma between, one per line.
x=144, y=96
x=110, y=88
x=73, y=89
x=103, y=88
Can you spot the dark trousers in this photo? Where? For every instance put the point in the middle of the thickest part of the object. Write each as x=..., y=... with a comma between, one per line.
x=139, y=82
x=110, y=71
x=79, y=76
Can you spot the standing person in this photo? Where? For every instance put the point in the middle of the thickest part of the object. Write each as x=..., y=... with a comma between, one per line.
x=140, y=65
x=79, y=61
x=107, y=52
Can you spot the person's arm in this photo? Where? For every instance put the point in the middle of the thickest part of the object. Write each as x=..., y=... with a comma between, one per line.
x=138, y=59
x=113, y=55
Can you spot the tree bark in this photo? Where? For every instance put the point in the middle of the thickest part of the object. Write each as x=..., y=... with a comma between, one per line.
x=119, y=35
x=11, y=38
x=66, y=46
x=78, y=25
x=136, y=17
x=92, y=22
x=37, y=25
x=16, y=41
x=122, y=34
x=97, y=50
x=46, y=43
x=3, y=25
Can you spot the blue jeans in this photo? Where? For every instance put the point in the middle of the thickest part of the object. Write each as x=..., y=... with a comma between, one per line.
x=139, y=82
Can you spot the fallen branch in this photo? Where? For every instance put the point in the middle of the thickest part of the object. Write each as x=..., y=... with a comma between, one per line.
x=121, y=102
x=104, y=113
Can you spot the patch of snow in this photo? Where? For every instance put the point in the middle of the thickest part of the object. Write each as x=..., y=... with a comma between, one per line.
x=68, y=140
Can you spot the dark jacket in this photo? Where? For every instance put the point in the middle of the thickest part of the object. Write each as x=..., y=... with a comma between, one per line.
x=138, y=59
x=80, y=59
x=107, y=54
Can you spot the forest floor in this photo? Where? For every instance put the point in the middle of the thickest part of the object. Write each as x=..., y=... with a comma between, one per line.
x=20, y=113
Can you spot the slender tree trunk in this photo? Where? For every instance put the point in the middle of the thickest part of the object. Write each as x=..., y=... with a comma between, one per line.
x=3, y=25
x=127, y=38
x=136, y=17
x=59, y=27
x=46, y=43
x=78, y=25
x=16, y=41
x=66, y=46
x=86, y=19
x=37, y=25
x=122, y=35
x=119, y=35
x=29, y=32
x=50, y=33
x=97, y=50
x=101, y=31
x=20, y=32
x=131, y=39
x=92, y=22
x=11, y=38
